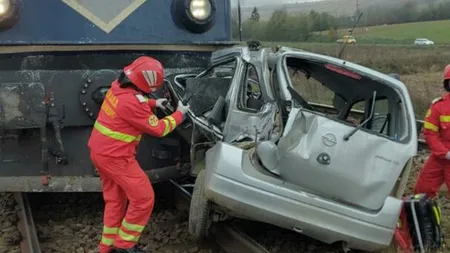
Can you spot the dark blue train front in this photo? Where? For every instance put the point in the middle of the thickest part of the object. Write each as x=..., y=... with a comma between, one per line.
x=57, y=59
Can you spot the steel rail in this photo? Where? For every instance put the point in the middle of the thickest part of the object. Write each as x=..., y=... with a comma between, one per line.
x=229, y=237
x=419, y=123
x=30, y=242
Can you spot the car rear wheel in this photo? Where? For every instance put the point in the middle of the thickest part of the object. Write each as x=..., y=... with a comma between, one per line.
x=200, y=210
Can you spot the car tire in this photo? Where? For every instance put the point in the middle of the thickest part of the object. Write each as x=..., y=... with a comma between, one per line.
x=200, y=210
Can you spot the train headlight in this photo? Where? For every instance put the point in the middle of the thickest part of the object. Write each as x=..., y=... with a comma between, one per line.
x=200, y=9
x=5, y=5
x=195, y=15
x=10, y=11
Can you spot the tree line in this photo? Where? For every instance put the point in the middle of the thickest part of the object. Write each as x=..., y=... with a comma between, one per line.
x=284, y=26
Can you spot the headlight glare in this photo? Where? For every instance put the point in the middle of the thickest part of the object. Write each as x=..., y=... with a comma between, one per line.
x=200, y=9
x=4, y=6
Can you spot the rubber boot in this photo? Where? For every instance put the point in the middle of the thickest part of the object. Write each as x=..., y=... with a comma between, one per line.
x=135, y=249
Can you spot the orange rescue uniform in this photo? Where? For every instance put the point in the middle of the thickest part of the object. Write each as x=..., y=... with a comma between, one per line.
x=124, y=116
x=436, y=170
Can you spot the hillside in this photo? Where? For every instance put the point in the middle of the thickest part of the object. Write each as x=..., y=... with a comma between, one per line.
x=335, y=7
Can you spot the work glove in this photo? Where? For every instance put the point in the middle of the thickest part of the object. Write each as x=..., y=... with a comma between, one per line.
x=182, y=108
x=447, y=156
x=160, y=103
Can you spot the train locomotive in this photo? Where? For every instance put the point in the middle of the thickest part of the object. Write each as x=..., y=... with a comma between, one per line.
x=57, y=61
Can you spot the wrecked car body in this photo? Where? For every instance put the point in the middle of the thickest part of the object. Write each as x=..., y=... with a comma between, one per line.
x=261, y=150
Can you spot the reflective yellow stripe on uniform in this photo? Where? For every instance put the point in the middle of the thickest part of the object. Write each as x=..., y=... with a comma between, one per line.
x=128, y=237
x=166, y=127
x=444, y=118
x=115, y=135
x=135, y=228
x=173, y=122
x=110, y=230
x=107, y=241
x=169, y=124
x=430, y=126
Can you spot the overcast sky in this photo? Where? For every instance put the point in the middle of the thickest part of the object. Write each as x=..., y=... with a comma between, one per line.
x=265, y=2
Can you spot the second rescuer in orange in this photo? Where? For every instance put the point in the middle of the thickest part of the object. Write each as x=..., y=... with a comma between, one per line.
x=436, y=170
x=125, y=115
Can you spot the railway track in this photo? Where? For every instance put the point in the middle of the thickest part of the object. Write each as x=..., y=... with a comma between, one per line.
x=30, y=242
x=228, y=238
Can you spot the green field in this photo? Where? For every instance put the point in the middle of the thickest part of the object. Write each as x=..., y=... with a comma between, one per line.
x=437, y=31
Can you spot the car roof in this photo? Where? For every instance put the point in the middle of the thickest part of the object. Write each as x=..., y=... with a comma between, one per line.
x=250, y=55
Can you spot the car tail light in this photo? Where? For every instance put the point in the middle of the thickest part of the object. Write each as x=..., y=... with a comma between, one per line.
x=343, y=71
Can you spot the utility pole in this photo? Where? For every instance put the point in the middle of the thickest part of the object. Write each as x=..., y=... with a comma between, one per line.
x=357, y=9
x=240, y=20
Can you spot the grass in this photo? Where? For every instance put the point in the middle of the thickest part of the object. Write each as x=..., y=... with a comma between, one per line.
x=406, y=33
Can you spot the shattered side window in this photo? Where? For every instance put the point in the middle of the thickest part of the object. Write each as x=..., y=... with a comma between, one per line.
x=381, y=117
x=205, y=90
x=225, y=70
x=250, y=94
x=309, y=88
x=353, y=117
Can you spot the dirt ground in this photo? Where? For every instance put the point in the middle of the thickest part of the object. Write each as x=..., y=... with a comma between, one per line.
x=10, y=236
x=72, y=223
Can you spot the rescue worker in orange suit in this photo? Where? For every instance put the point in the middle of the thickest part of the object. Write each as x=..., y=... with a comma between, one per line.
x=125, y=114
x=436, y=170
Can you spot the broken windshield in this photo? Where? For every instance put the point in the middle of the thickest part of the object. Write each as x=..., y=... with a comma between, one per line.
x=203, y=91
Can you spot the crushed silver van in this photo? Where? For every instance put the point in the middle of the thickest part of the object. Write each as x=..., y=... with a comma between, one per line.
x=261, y=149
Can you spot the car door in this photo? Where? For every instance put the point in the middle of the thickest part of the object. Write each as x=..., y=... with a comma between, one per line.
x=314, y=154
x=203, y=90
x=250, y=115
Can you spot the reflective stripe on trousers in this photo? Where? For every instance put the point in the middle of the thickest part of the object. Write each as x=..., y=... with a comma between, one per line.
x=130, y=232
x=115, y=134
x=108, y=235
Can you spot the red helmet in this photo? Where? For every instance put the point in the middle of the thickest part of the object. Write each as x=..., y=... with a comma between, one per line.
x=447, y=72
x=146, y=73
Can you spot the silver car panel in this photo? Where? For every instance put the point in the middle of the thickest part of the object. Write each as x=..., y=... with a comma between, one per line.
x=237, y=184
x=361, y=171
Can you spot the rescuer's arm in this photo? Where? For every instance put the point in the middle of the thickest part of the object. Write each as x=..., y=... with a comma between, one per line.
x=431, y=132
x=151, y=102
x=141, y=117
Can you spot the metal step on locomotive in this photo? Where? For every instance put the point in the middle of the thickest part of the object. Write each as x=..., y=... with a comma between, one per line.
x=56, y=69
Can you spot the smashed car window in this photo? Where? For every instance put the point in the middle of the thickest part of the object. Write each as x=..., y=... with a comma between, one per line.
x=310, y=89
x=203, y=91
x=381, y=118
x=354, y=117
x=345, y=92
x=250, y=93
